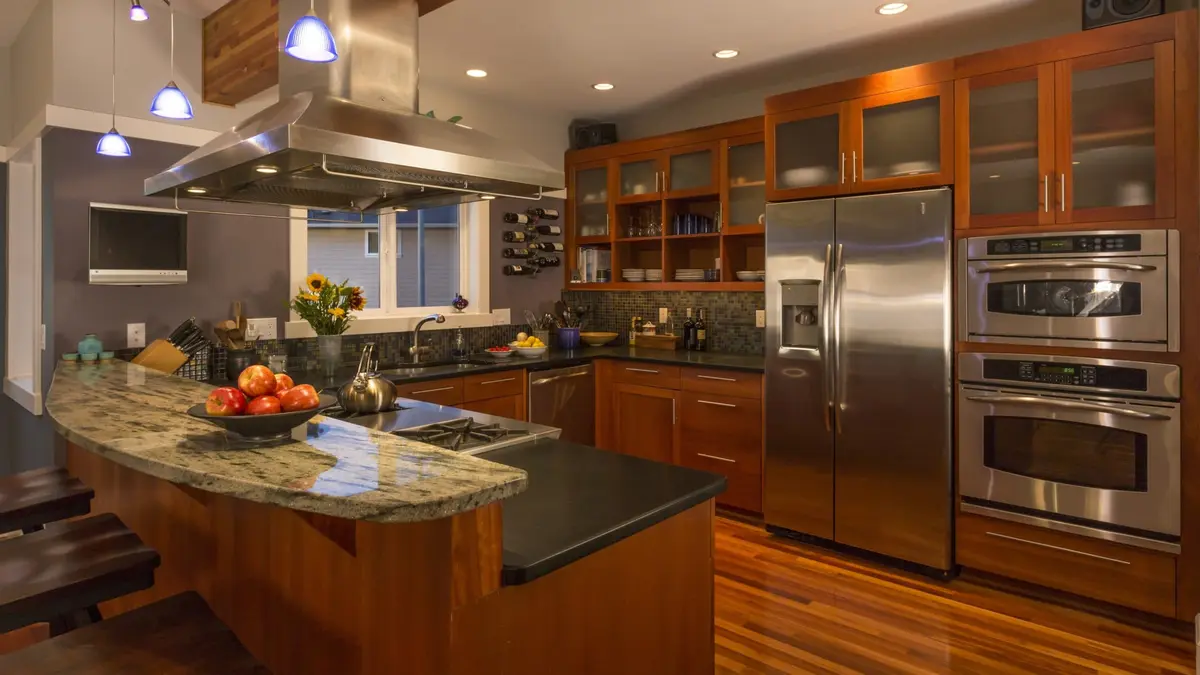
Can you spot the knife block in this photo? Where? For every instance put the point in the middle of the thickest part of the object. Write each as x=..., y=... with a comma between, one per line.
x=162, y=356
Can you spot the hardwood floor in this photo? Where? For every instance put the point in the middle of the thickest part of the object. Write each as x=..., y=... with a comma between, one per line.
x=784, y=607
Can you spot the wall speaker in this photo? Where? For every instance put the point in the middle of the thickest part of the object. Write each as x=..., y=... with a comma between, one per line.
x=590, y=133
x=1097, y=13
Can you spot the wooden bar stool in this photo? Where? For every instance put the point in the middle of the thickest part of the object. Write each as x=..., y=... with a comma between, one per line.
x=176, y=636
x=30, y=500
x=60, y=574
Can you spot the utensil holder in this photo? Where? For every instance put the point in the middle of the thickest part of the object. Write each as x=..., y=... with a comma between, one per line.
x=237, y=360
x=568, y=338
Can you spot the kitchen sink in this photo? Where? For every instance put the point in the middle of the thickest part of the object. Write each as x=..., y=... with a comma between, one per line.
x=416, y=368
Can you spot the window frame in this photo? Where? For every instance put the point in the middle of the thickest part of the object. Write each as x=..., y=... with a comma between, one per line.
x=367, y=243
x=474, y=270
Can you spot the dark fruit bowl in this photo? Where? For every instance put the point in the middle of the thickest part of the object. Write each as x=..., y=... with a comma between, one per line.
x=263, y=427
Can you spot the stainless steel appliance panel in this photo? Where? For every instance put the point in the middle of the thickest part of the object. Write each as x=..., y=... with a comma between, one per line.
x=892, y=327
x=565, y=398
x=798, y=476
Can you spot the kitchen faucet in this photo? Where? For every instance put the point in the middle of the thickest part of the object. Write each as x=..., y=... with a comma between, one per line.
x=416, y=349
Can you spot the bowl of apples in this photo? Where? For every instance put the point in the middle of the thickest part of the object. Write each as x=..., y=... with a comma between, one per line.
x=265, y=406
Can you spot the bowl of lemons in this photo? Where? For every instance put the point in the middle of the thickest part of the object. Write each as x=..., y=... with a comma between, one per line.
x=530, y=347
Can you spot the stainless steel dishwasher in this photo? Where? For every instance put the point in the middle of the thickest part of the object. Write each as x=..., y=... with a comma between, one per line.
x=565, y=398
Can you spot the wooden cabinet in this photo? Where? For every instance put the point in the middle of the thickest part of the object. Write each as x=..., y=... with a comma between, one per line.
x=493, y=385
x=692, y=171
x=641, y=177
x=724, y=434
x=1080, y=140
x=501, y=394
x=645, y=422
x=508, y=407
x=590, y=188
x=442, y=392
x=890, y=141
x=646, y=374
x=1124, y=575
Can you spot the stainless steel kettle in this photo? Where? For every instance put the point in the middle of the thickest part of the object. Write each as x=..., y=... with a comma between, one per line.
x=368, y=392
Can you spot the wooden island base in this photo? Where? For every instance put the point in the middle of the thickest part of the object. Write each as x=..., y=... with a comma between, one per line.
x=314, y=594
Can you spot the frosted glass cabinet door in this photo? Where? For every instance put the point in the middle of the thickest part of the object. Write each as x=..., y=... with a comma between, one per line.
x=900, y=139
x=692, y=170
x=1116, y=116
x=640, y=178
x=591, y=201
x=806, y=157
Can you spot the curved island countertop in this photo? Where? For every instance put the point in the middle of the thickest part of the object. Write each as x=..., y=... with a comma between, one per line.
x=137, y=418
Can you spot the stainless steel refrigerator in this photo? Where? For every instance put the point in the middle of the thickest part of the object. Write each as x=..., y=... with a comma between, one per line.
x=858, y=373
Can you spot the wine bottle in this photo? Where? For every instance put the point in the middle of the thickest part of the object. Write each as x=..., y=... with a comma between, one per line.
x=517, y=218
x=546, y=214
x=512, y=236
x=552, y=230
x=689, y=329
x=519, y=270
x=552, y=246
x=701, y=334
x=517, y=253
x=542, y=261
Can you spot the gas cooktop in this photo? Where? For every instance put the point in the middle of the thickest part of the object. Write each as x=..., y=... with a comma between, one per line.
x=465, y=435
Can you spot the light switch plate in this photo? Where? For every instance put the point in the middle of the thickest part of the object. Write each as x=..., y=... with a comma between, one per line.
x=501, y=317
x=263, y=329
x=662, y=314
x=760, y=318
x=135, y=335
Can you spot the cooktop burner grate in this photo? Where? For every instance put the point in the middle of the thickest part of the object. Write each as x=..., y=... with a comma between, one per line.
x=460, y=434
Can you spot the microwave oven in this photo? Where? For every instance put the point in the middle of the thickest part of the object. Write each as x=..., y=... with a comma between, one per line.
x=137, y=246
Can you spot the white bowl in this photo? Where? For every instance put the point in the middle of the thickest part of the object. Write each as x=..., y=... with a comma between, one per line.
x=748, y=276
x=532, y=352
x=501, y=355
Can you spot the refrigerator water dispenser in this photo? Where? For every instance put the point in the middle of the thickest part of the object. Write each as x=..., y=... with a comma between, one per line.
x=800, y=301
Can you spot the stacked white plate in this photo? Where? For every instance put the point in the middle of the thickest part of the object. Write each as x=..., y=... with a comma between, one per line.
x=689, y=275
x=632, y=274
x=653, y=275
x=750, y=275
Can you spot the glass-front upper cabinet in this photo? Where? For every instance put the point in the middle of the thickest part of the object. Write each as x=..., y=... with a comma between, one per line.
x=1008, y=130
x=806, y=157
x=590, y=187
x=902, y=139
x=692, y=170
x=1115, y=115
x=640, y=178
x=745, y=180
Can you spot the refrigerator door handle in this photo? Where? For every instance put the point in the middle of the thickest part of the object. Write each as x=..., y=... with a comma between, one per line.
x=836, y=402
x=823, y=318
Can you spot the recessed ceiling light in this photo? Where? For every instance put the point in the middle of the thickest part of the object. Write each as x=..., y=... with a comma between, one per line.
x=995, y=175
x=197, y=190
x=266, y=169
x=1075, y=162
x=602, y=86
x=401, y=209
x=489, y=196
x=890, y=8
x=475, y=72
x=726, y=53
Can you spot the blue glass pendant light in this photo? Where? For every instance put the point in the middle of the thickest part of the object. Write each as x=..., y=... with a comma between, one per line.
x=114, y=144
x=137, y=12
x=170, y=101
x=310, y=39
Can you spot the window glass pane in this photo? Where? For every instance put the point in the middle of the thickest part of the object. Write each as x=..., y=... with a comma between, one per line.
x=372, y=243
x=427, y=260
x=337, y=250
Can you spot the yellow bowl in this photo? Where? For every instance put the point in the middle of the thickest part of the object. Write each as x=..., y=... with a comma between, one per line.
x=597, y=339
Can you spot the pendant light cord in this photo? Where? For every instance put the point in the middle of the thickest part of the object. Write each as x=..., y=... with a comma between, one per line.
x=114, y=64
x=172, y=43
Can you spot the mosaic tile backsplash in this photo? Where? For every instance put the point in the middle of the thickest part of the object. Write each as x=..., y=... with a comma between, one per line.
x=730, y=315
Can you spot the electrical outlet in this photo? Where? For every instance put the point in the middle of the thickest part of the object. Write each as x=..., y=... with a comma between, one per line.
x=135, y=335
x=662, y=314
x=760, y=318
x=263, y=329
x=501, y=317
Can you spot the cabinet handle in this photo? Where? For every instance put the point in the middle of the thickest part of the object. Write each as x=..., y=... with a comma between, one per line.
x=723, y=405
x=854, y=164
x=714, y=377
x=1046, y=192
x=719, y=459
x=507, y=379
x=1057, y=548
x=642, y=370
x=1062, y=192
x=433, y=391
x=843, y=168
x=672, y=412
x=656, y=188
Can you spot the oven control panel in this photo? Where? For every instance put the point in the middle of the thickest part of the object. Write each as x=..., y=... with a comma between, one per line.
x=1066, y=373
x=1118, y=243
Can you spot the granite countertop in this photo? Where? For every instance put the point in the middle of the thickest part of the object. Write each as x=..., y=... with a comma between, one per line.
x=581, y=499
x=137, y=418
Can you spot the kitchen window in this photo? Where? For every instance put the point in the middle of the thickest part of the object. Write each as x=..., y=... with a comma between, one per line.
x=408, y=263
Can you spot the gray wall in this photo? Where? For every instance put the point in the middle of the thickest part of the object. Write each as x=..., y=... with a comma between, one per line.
x=229, y=257
x=536, y=294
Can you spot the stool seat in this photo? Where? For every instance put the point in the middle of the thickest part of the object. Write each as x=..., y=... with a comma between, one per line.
x=176, y=636
x=31, y=499
x=69, y=567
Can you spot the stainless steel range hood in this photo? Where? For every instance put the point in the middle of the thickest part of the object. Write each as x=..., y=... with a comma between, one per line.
x=347, y=135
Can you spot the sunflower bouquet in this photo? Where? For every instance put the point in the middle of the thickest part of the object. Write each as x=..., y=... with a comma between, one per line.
x=327, y=306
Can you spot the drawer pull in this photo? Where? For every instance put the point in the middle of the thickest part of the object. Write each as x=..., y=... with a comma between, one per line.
x=719, y=459
x=1057, y=548
x=642, y=370
x=718, y=379
x=433, y=391
x=507, y=379
x=723, y=405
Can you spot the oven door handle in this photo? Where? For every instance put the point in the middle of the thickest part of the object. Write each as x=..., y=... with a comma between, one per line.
x=1071, y=405
x=1050, y=265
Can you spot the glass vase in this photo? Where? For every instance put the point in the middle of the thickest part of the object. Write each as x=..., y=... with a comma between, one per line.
x=329, y=348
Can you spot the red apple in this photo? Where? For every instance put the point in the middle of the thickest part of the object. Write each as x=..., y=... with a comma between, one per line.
x=283, y=382
x=263, y=405
x=225, y=402
x=257, y=381
x=300, y=397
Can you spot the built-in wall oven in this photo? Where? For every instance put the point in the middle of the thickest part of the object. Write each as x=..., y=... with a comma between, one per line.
x=1089, y=446
x=1099, y=289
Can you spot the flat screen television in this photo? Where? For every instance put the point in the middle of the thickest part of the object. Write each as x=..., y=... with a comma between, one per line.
x=137, y=246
